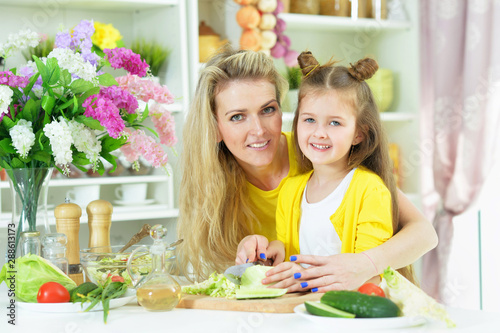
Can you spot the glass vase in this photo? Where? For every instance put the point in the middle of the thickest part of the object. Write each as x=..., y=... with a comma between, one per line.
x=29, y=188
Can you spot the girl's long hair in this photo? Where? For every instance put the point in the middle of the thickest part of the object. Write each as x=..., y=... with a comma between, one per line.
x=214, y=207
x=373, y=151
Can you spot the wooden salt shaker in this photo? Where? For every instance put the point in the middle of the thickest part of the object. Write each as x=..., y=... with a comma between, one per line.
x=68, y=222
x=99, y=214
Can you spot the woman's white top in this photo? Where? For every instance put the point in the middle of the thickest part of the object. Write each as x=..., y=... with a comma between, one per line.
x=317, y=236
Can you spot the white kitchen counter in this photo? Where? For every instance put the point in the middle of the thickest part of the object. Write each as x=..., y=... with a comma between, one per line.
x=133, y=318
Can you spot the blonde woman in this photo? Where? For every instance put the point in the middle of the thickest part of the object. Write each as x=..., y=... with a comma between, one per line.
x=235, y=159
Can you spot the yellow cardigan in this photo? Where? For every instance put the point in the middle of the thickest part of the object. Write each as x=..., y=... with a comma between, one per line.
x=362, y=221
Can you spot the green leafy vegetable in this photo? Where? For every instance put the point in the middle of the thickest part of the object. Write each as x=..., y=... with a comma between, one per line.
x=412, y=300
x=216, y=286
x=31, y=271
x=104, y=294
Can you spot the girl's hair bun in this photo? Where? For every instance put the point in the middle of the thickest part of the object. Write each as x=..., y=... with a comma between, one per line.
x=363, y=69
x=307, y=62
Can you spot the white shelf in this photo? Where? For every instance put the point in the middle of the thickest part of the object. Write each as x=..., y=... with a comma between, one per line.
x=125, y=213
x=111, y=5
x=384, y=116
x=105, y=180
x=336, y=23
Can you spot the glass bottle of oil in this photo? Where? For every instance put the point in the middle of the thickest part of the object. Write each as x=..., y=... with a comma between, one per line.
x=158, y=291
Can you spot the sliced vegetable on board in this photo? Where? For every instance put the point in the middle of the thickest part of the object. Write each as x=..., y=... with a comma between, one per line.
x=413, y=300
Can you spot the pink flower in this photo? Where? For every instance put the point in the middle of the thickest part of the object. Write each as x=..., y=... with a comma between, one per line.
x=121, y=57
x=104, y=110
x=164, y=123
x=140, y=143
x=145, y=89
x=9, y=79
x=120, y=97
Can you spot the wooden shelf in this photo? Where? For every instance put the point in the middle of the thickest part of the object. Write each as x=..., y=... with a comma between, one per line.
x=111, y=5
x=335, y=23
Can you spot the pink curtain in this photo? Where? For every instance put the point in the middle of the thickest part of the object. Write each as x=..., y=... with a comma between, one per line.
x=460, y=78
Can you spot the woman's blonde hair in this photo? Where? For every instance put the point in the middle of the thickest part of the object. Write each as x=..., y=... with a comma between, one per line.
x=214, y=207
x=373, y=151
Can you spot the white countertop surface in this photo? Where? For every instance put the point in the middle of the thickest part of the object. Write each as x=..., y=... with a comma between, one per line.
x=133, y=318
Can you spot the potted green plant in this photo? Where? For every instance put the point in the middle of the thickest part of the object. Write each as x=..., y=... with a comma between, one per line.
x=294, y=76
x=42, y=50
x=153, y=53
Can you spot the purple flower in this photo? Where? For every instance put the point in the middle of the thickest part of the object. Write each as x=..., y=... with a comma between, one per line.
x=82, y=34
x=124, y=58
x=63, y=40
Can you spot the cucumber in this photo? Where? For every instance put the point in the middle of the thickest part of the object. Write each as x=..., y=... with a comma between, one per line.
x=362, y=305
x=260, y=293
x=321, y=309
x=82, y=289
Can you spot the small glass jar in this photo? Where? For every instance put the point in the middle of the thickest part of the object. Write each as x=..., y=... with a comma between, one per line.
x=54, y=250
x=30, y=242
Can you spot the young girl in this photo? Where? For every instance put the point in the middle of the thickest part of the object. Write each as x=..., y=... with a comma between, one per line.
x=348, y=203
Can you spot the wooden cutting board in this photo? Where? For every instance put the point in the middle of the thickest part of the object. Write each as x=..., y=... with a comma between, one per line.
x=283, y=304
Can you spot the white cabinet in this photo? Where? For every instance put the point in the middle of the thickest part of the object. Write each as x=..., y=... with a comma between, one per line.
x=394, y=44
x=161, y=20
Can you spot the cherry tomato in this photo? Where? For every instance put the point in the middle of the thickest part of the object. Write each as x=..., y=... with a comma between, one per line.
x=52, y=292
x=116, y=278
x=371, y=289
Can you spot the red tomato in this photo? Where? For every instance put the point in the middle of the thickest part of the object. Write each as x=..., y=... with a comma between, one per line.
x=116, y=278
x=371, y=289
x=52, y=292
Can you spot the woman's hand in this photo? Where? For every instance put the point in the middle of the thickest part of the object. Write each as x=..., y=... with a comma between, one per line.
x=257, y=247
x=283, y=274
x=346, y=271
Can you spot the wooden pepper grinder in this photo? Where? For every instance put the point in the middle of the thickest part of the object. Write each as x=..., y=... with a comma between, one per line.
x=68, y=222
x=99, y=214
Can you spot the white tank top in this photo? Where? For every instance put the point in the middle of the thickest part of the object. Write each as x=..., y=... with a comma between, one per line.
x=317, y=236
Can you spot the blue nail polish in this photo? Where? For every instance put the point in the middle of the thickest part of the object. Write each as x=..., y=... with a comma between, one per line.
x=262, y=256
x=314, y=290
x=297, y=275
x=293, y=258
x=303, y=284
x=247, y=260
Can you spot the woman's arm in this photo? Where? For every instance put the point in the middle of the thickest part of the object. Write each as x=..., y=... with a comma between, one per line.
x=415, y=239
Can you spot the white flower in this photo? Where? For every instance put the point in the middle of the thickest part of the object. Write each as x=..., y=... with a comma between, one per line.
x=19, y=41
x=85, y=141
x=74, y=63
x=5, y=99
x=60, y=139
x=23, y=137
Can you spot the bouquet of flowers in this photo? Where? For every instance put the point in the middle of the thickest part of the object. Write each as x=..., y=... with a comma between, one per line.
x=63, y=110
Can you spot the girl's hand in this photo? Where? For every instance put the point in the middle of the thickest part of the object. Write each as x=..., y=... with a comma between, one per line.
x=251, y=248
x=346, y=271
x=283, y=274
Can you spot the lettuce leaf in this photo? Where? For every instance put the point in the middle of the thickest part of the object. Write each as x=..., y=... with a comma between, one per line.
x=253, y=276
x=412, y=300
x=215, y=286
x=31, y=271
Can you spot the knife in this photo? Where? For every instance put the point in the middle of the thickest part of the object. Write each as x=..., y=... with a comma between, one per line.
x=234, y=273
